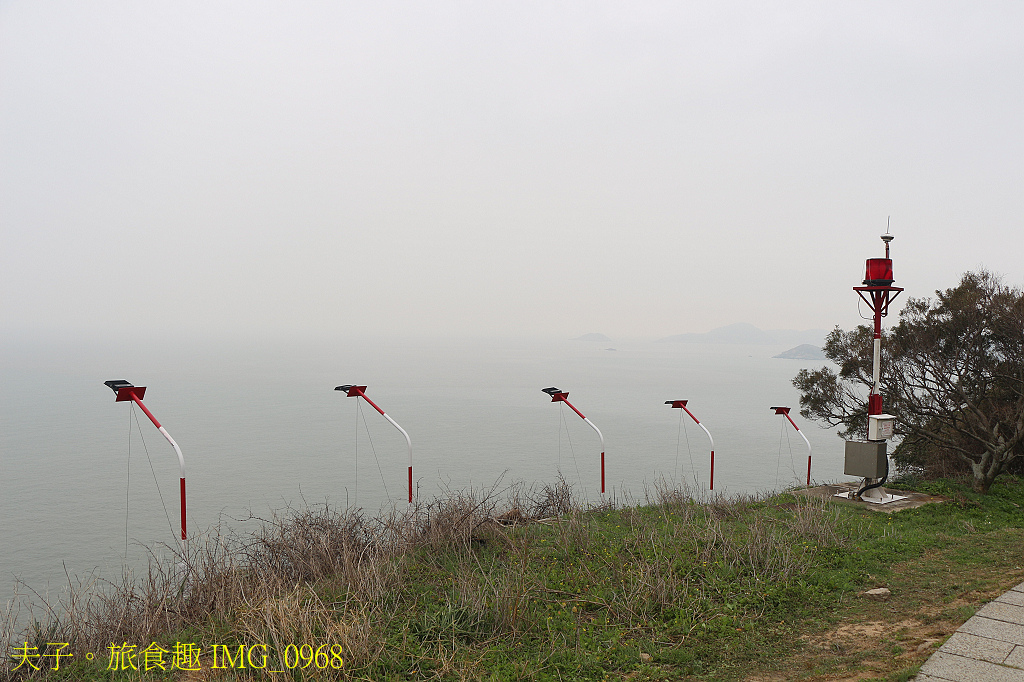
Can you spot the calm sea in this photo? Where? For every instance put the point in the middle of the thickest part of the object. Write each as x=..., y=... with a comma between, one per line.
x=262, y=429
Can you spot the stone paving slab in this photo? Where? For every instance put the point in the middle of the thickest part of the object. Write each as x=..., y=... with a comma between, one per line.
x=972, y=646
x=987, y=648
x=994, y=629
x=1008, y=613
x=1011, y=597
x=962, y=669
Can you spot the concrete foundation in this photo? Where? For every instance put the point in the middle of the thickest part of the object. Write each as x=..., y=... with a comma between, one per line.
x=831, y=491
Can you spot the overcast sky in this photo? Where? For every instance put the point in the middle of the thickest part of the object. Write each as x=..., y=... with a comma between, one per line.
x=512, y=168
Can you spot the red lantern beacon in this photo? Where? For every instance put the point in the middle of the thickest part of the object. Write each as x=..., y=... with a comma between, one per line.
x=868, y=458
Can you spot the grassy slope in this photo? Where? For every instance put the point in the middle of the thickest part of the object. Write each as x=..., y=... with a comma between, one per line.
x=757, y=589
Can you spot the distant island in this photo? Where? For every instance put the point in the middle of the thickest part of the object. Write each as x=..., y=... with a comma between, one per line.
x=804, y=351
x=592, y=337
x=743, y=332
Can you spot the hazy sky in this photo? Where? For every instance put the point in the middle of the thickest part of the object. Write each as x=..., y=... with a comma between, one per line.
x=515, y=168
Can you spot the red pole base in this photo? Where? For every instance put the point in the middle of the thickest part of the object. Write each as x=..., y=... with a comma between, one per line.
x=808, y=471
x=183, y=536
x=602, y=471
x=410, y=485
x=712, y=487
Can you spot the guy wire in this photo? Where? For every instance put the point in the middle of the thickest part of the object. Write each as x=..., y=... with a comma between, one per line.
x=356, y=486
x=572, y=450
x=558, y=462
x=679, y=430
x=778, y=462
x=128, y=481
x=689, y=451
x=792, y=464
x=151, y=468
x=374, y=451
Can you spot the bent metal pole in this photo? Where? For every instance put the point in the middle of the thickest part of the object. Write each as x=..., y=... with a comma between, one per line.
x=682, y=404
x=126, y=391
x=558, y=396
x=357, y=392
x=785, y=411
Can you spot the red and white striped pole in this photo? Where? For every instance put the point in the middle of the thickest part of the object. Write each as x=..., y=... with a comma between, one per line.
x=682, y=405
x=785, y=412
x=126, y=391
x=558, y=396
x=878, y=292
x=357, y=392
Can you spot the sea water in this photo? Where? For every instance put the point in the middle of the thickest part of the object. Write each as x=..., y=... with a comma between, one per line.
x=87, y=490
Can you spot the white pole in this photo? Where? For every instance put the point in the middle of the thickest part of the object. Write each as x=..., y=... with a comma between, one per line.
x=806, y=441
x=407, y=440
x=601, y=436
x=594, y=426
x=876, y=370
x=177, y=450
x=709, y=435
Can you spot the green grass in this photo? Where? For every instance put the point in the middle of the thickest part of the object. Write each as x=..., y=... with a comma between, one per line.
x=674, y=590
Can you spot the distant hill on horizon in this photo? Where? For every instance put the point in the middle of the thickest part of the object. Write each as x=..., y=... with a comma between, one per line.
x=805, y=351
x=594, y=336
x=744, y=332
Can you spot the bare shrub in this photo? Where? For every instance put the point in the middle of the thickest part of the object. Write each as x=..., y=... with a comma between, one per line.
x=671, y=495
x=311, y=544
x=550, y=500
x=450, y=521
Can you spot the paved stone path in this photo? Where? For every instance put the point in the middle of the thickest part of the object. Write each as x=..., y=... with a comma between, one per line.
x=987, y=648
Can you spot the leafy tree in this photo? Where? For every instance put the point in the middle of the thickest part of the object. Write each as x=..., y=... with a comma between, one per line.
x=952, y=373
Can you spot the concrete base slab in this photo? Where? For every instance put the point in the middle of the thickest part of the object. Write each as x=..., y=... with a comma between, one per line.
x=886, y=498
x=842, y=492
